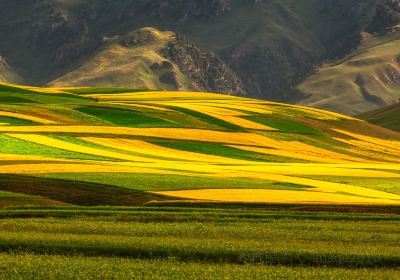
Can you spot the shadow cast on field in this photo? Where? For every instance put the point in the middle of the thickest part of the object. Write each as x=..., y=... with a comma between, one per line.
x=75, y=192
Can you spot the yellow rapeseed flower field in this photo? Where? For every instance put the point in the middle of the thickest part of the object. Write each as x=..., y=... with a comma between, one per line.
x=246, y=151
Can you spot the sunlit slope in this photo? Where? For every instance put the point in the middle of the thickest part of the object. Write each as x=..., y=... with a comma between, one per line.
x=193, y=146
x=388, y=117
x=134, y=60
x=365, y=80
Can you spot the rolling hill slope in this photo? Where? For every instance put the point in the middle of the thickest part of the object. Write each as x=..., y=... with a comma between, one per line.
x=144, y=146
x=387, y=117
x=367, y=79
x=150, y=59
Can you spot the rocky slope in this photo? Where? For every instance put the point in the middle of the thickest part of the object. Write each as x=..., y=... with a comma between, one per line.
x=148, y=58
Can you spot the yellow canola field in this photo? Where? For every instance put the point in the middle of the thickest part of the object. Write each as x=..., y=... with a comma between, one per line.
x=228, y=115
x=146, y=148
x=372, y=143
x=161, y=95
x=64, y=145
x=140, y=105
x=165, y=133
x=37, y=89
x=298, y=150
x=25, y=117
x=43, y=168
x=274, y=196
x=320, y=186
x=299, y=169
x=263, y=109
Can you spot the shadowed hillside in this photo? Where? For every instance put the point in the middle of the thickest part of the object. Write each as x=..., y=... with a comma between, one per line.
x=388, y=117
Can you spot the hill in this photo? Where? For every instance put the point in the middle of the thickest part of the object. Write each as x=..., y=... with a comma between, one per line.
x=150, y=59
x=369, y=78
x=270, y=45
x=387, y=117
x=124, y=147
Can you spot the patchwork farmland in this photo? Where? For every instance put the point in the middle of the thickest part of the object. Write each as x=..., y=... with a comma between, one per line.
x=196, y=146
x=187, y=182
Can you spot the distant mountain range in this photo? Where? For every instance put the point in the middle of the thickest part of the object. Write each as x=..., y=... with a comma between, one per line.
x=341, y=55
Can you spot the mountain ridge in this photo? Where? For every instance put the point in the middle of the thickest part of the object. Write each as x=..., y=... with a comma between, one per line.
x=271, y=46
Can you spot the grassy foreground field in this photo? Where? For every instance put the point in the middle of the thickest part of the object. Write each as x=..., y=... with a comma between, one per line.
x=199, y=243
x=103, y=183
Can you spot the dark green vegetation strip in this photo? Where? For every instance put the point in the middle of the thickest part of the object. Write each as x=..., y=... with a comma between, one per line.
x=125, y=117
x=15, y=121
x=162, y=182
x=13, y=99
x=206, y=235
x=284, y=125
x=15, y=92
x=223, y=151
x=223, y=125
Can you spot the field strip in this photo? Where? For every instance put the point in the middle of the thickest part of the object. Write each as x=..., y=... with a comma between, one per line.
x=389, y=144
x=203, y=135
x=65, y=145
x=378, y=156
x=263, y=109
x=227, y=115
x=322, y=186
x=15, y=157
x=45, y=168
x=161, y=95
x=322, y=169
x=25, y=117
x=137, y=105
x=371, y=146
x=274, y=196
x=294, y=149
x=37, y=89
x=325, y=115
x=146, y=148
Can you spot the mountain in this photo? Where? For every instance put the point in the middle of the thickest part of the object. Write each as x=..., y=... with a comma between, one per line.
x=367, y=79
x=269, y=46
x=388, y=117
x=116, y=146
x=150, y=59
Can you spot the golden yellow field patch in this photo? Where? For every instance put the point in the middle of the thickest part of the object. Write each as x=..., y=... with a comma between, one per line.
x=149, y=149
x=274, y=196
x=25, y=117
x=164, y=133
